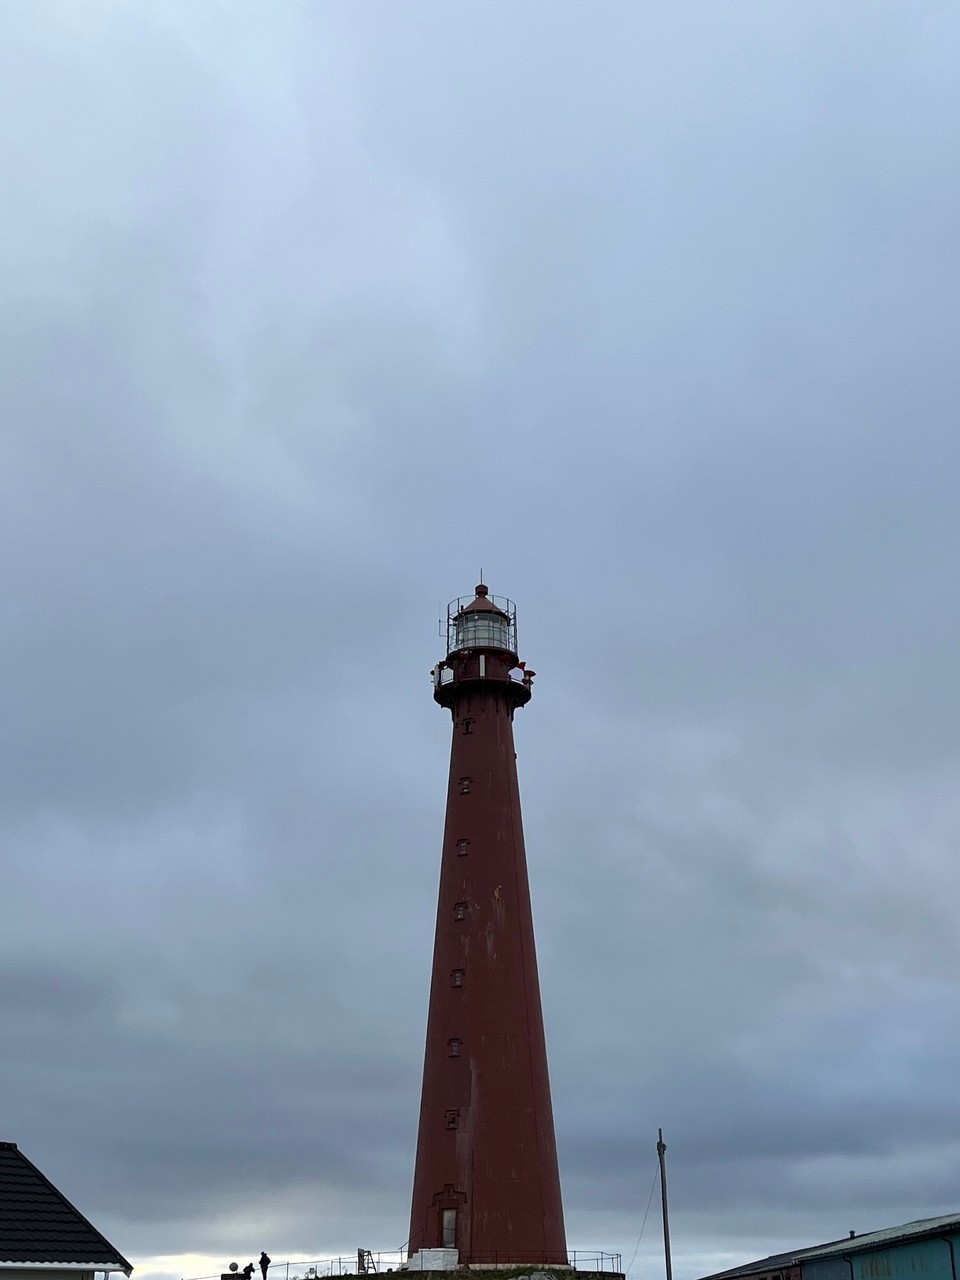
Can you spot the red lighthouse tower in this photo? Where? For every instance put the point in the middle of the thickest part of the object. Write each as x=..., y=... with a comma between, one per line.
x=487, y=1184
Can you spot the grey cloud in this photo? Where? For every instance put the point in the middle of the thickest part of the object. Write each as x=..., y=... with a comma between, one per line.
x=307, y=315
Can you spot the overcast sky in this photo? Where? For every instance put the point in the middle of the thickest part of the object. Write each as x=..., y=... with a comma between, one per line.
x=309, y=309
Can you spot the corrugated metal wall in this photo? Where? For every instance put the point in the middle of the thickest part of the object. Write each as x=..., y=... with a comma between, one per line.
x=827, y=1269
x=926, y=1259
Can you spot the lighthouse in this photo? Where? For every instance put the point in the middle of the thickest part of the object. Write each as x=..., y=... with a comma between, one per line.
x=487, y=1185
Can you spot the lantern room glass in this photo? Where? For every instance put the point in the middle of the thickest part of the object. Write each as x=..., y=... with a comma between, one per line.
x=483, y=631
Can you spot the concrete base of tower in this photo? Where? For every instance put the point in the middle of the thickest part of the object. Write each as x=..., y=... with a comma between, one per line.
x=434, y=1260
x=507, y=1271
x=447, y=1261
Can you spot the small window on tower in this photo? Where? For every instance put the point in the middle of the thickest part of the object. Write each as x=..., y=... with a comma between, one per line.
x=468, y=726
x=462, y=847
x=460, y=911
x=465, y=786
x=452, y=1118
x=456, y=977
x=453, y=1044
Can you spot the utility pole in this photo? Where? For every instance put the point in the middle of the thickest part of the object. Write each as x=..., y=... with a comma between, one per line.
x=661, y=1156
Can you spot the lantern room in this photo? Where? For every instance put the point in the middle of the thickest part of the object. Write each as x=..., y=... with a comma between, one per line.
x=485, y=622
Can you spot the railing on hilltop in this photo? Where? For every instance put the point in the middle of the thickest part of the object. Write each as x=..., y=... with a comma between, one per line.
x=395, y=1259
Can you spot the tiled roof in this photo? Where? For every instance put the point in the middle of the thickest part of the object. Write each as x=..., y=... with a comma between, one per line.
x=39, y=1224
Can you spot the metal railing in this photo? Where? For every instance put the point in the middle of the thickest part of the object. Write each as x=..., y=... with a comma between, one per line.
x=579, y=1259
x=394, y=1259
x=346, y=1266
x=504, y=607
x=443, y=674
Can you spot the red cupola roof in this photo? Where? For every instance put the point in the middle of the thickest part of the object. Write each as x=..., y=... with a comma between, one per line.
x=482, y=604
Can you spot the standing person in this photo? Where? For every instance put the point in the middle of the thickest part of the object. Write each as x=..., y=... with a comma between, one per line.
x=264, y=1263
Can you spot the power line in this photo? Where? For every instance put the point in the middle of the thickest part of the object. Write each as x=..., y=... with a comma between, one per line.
x=649, y=1201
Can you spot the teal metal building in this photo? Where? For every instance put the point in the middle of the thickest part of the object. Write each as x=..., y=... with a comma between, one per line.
x=927, y=1249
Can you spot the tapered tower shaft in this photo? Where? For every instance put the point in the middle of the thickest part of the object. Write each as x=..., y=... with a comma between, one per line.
x=486, y=1182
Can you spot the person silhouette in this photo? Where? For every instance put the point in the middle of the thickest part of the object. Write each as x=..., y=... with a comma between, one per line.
x=248, y=1271
x=264, y=1263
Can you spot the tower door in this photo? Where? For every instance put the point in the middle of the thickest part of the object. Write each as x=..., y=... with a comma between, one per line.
x=448, y=1228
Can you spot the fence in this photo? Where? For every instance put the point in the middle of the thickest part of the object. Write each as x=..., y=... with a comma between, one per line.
x=394, y=1259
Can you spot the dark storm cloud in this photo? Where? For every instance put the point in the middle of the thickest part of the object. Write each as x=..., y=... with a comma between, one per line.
x=305, y=316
